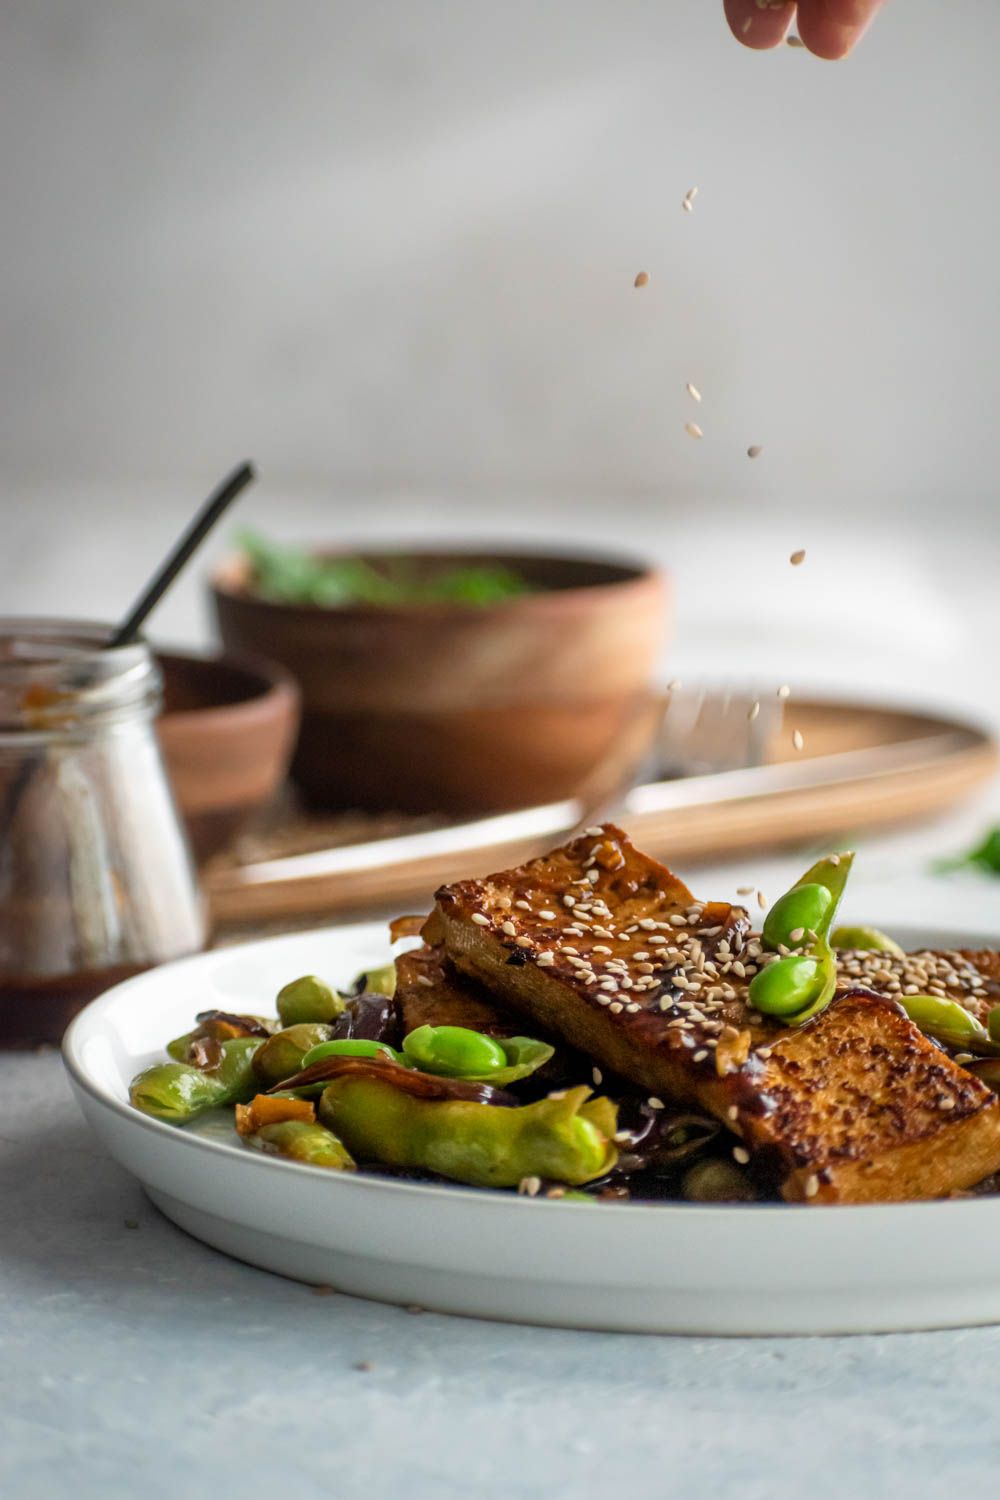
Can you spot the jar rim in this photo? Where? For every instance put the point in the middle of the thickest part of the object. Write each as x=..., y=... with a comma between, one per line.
x=57, y=675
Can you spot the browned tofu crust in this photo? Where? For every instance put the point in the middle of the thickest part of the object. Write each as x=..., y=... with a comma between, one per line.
x=431, y=992
x=606, y=948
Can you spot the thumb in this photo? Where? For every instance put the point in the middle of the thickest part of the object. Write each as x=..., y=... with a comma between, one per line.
x=830, y=28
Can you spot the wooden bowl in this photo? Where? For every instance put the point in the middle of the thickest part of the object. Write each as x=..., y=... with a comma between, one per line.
x=227, y=733
x=462, y=709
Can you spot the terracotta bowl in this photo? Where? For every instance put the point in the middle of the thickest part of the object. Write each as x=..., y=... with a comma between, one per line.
x=461, y=709
x=227, y=733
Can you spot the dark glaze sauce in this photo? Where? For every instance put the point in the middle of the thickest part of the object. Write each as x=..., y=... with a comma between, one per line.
x=406, y=1080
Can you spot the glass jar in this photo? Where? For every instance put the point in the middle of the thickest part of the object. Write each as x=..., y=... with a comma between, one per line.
x=96, y=879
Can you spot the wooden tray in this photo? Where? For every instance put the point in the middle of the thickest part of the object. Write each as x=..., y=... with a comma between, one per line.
x=863, y=766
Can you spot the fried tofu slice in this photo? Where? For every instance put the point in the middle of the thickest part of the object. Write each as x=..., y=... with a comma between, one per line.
x=431, y=992
x=605, y=947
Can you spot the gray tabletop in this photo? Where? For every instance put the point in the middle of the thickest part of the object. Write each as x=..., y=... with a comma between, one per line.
x=139, y=1362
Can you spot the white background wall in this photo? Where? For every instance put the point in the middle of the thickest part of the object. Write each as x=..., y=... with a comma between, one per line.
x=387, y=249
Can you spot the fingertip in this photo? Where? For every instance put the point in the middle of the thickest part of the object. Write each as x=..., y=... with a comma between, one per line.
x=759, y=28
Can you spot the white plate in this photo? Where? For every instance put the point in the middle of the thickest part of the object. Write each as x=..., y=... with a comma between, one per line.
x=655, y=1268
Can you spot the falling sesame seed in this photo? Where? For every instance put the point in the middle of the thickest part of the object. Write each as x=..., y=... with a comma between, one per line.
x=480, y=920
x=754, y=711
x=744, y=890
x=811, y=1185
x=642, y=279
x=784, y=691
x=797, y=558
x=754, y=450
x=741, y=1154
x=691, y=194
x=693, y=392
x=693, y=430
x=797, y=739
x=762, y=901
x=508, y=929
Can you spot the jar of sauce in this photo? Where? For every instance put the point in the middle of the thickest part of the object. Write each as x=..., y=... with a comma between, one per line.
x=96, y=879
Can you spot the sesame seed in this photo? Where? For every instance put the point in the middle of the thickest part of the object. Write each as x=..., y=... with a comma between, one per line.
x=946, y=1103
x=674, y=684
x=524, y=942
x=762, y=901
x=594, y=832
x=794, y=41
x=642, y=279
x=691, y=194
x=529, y=1187
x=504, y=902
x=754, y=711
x=693, y=392
x=693, y=430
x=426, y=981
x=784, y=691
x=744, y=890
x=569, y=900
x=480, y=920
x=654, y=1103
x=508, y=929
x=732, y=1113
x=597, y=1076
x=811, y=1185
x=754, y=450
x=593, y=876
x=616, y=1007
x=547, y=916
x=741, y=1154
x=745, y=27
x=545, y=960
x=834, y=859
x=700, y=1056
x=797, y=934
x=798, y=558
x=633, y=1006
x=600, y=948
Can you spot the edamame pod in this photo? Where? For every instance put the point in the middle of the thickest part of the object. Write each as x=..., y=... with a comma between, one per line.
x=304, y=1142
x=865, y=940
x=566, y=1138
x=799, y=986
x=459, y=1052
x=178, y=1092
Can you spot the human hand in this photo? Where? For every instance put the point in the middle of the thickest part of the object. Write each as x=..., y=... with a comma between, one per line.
x=830, y=28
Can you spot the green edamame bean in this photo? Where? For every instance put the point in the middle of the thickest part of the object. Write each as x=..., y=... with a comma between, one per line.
x=284, y=1053
x=865, y=940
x=308, y=999
x=381, y=981
x=453, y=1052
x=348, y=1047
x=787, y=986
x=993, y=1023
x=801, y=910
